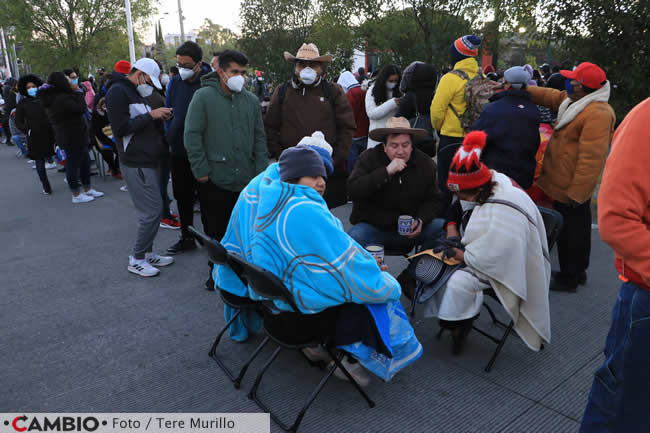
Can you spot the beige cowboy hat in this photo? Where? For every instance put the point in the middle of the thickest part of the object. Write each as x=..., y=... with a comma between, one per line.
x=308, y=52
x=396, y=125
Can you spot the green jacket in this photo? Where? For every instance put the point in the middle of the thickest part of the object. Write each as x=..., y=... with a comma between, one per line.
x=224, y=135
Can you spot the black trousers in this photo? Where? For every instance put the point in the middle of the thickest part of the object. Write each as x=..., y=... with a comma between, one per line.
x=184, y=186
x=336, y=193
x=446, y=150
x=574, y=242
x=216, y=206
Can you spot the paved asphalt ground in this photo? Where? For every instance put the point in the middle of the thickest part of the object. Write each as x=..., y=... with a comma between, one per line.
x=81, y=334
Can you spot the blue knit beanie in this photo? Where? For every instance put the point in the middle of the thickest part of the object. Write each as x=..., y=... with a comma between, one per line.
x=298, y=161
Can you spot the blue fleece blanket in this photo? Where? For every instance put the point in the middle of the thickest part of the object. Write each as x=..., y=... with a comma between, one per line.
x=289, y=230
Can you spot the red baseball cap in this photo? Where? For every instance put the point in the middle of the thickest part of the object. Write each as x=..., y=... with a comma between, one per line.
x=588, y=74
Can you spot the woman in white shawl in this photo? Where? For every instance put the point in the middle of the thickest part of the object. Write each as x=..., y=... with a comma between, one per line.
x=498, y=232
x=382, y=99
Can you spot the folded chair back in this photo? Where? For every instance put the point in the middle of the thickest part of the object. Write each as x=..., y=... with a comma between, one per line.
x=216, y=251
x=553, y=222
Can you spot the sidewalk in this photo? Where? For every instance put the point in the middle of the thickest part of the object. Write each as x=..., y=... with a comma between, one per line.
x=81, y=334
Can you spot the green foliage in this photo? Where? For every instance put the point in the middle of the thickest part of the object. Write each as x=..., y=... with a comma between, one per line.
x=71, y=33
x=212, y=38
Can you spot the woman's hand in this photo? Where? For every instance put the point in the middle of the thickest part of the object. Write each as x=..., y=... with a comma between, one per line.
x=460, y=255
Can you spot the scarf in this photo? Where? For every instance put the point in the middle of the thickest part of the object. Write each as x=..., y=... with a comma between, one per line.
x=569, y=110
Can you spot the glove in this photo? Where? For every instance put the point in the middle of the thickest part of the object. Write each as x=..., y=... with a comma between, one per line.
x=454, y=242
x=447, y=251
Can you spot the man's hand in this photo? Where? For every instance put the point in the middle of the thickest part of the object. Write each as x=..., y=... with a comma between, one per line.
x=397, y=101
x=203, y=179
x=416, y=228
x=380, y=263
x=395, y=166
x=460, y=255
x=162, y=113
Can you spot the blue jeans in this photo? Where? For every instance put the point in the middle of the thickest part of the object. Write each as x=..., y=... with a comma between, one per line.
x=394, y=243
x=619, y=400
x=358, y=146
x=18, y=141
x=77, y=166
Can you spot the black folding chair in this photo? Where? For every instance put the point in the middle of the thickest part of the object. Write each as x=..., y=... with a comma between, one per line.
x=553, y=223
x=219, y=255
x=282, y=329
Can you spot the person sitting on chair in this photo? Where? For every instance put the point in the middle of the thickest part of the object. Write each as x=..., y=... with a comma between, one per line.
x=282, y=223
x=390, y=181
x=503, y=247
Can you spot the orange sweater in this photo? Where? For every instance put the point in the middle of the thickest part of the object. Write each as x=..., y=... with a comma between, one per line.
x=624, y=198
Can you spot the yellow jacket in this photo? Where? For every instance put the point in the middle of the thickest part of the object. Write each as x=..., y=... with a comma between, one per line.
x=451, y=90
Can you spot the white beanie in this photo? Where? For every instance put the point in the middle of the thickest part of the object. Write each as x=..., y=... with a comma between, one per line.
x=317, y=139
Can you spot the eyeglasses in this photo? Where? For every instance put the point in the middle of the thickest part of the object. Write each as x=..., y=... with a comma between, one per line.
x=178, y=65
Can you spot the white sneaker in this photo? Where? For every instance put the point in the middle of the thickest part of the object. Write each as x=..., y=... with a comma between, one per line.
x=82, y=198
x=93, y=193
x=30, y=161
x=158, y=260
x=356, y=370
x=141, y=267
x=50, y=166
x=124, y=188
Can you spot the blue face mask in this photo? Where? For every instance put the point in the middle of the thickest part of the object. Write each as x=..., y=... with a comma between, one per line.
x=32, y=91
x=75, y=81
x=568, y=86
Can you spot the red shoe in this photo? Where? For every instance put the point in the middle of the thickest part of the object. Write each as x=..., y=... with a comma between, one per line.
x=170, y=223
x=118, y=175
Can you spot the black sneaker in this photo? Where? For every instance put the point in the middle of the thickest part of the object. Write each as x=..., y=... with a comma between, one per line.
x=183, y=245
x=580, y=278
x=209, y=284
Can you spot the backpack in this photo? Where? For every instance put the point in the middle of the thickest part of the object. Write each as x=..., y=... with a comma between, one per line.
x=478, y=92
x=327, y=92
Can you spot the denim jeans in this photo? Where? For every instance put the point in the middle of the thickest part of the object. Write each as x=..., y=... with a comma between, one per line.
x=77, y=166
x=42, y=174
x=358, y=146
x=18, y=141
x=394, y=243
x=619, y=400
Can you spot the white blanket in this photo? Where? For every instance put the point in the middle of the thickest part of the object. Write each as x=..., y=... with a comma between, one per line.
x=506, y=245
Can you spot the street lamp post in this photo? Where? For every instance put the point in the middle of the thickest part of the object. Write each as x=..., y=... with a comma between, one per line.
x=180, y=17
x=4, y=51
x=129, y=28
x=522, y=30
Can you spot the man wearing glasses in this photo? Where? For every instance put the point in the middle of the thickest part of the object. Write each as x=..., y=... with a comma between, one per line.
x=225, y=141
x=179, y=94
x=573, y=161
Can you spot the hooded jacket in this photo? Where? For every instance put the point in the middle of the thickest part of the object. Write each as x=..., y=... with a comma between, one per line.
x=138, y=142
x=305, y=109
x=511, y=122
x=66, y=111
x=32, y=118
x=451, y=91
x=179, y=95
x=224, y=135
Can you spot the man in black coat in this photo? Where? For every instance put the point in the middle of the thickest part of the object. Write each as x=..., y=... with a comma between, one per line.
x=390, y=181
x=511, y=122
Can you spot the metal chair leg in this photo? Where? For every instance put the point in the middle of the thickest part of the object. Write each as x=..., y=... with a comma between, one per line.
x=492, y=315
x=499, y=347
x=252, y=394
x=244, y=368
x=337, y=361
x=220, y=334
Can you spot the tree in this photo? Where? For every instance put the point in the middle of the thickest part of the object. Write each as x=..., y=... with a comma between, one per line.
x=212, y=37
x=57, y=33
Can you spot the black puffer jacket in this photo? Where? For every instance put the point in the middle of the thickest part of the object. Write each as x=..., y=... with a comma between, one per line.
x=32, y=118
x=66, y=112
x=379, y=199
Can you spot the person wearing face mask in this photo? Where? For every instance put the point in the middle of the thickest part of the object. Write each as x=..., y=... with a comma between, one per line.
x=66, y=108
x=383, y=99
x=225, y=141
x=103, y=143
x=573, y=162
x=141, y=148
x=179, y=94
x=32, y=118
x=498, y=233
x=10, y=102
x=309, y=103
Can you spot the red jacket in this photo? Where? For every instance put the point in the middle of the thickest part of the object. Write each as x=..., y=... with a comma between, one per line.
x=357, y=98
x=624, y=197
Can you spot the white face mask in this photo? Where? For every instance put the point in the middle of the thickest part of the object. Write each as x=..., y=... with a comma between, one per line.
x=391, y=86
x=236, y=83
x=467, y=205
x=164, y=80
x=145, y=90
x=308, y=76
x=185, y=73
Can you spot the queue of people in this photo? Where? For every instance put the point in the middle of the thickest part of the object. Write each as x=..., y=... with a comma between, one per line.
x=426, y=167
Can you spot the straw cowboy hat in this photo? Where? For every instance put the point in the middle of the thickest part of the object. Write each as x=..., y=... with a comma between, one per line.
x=308, y=52
x=396, y=125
